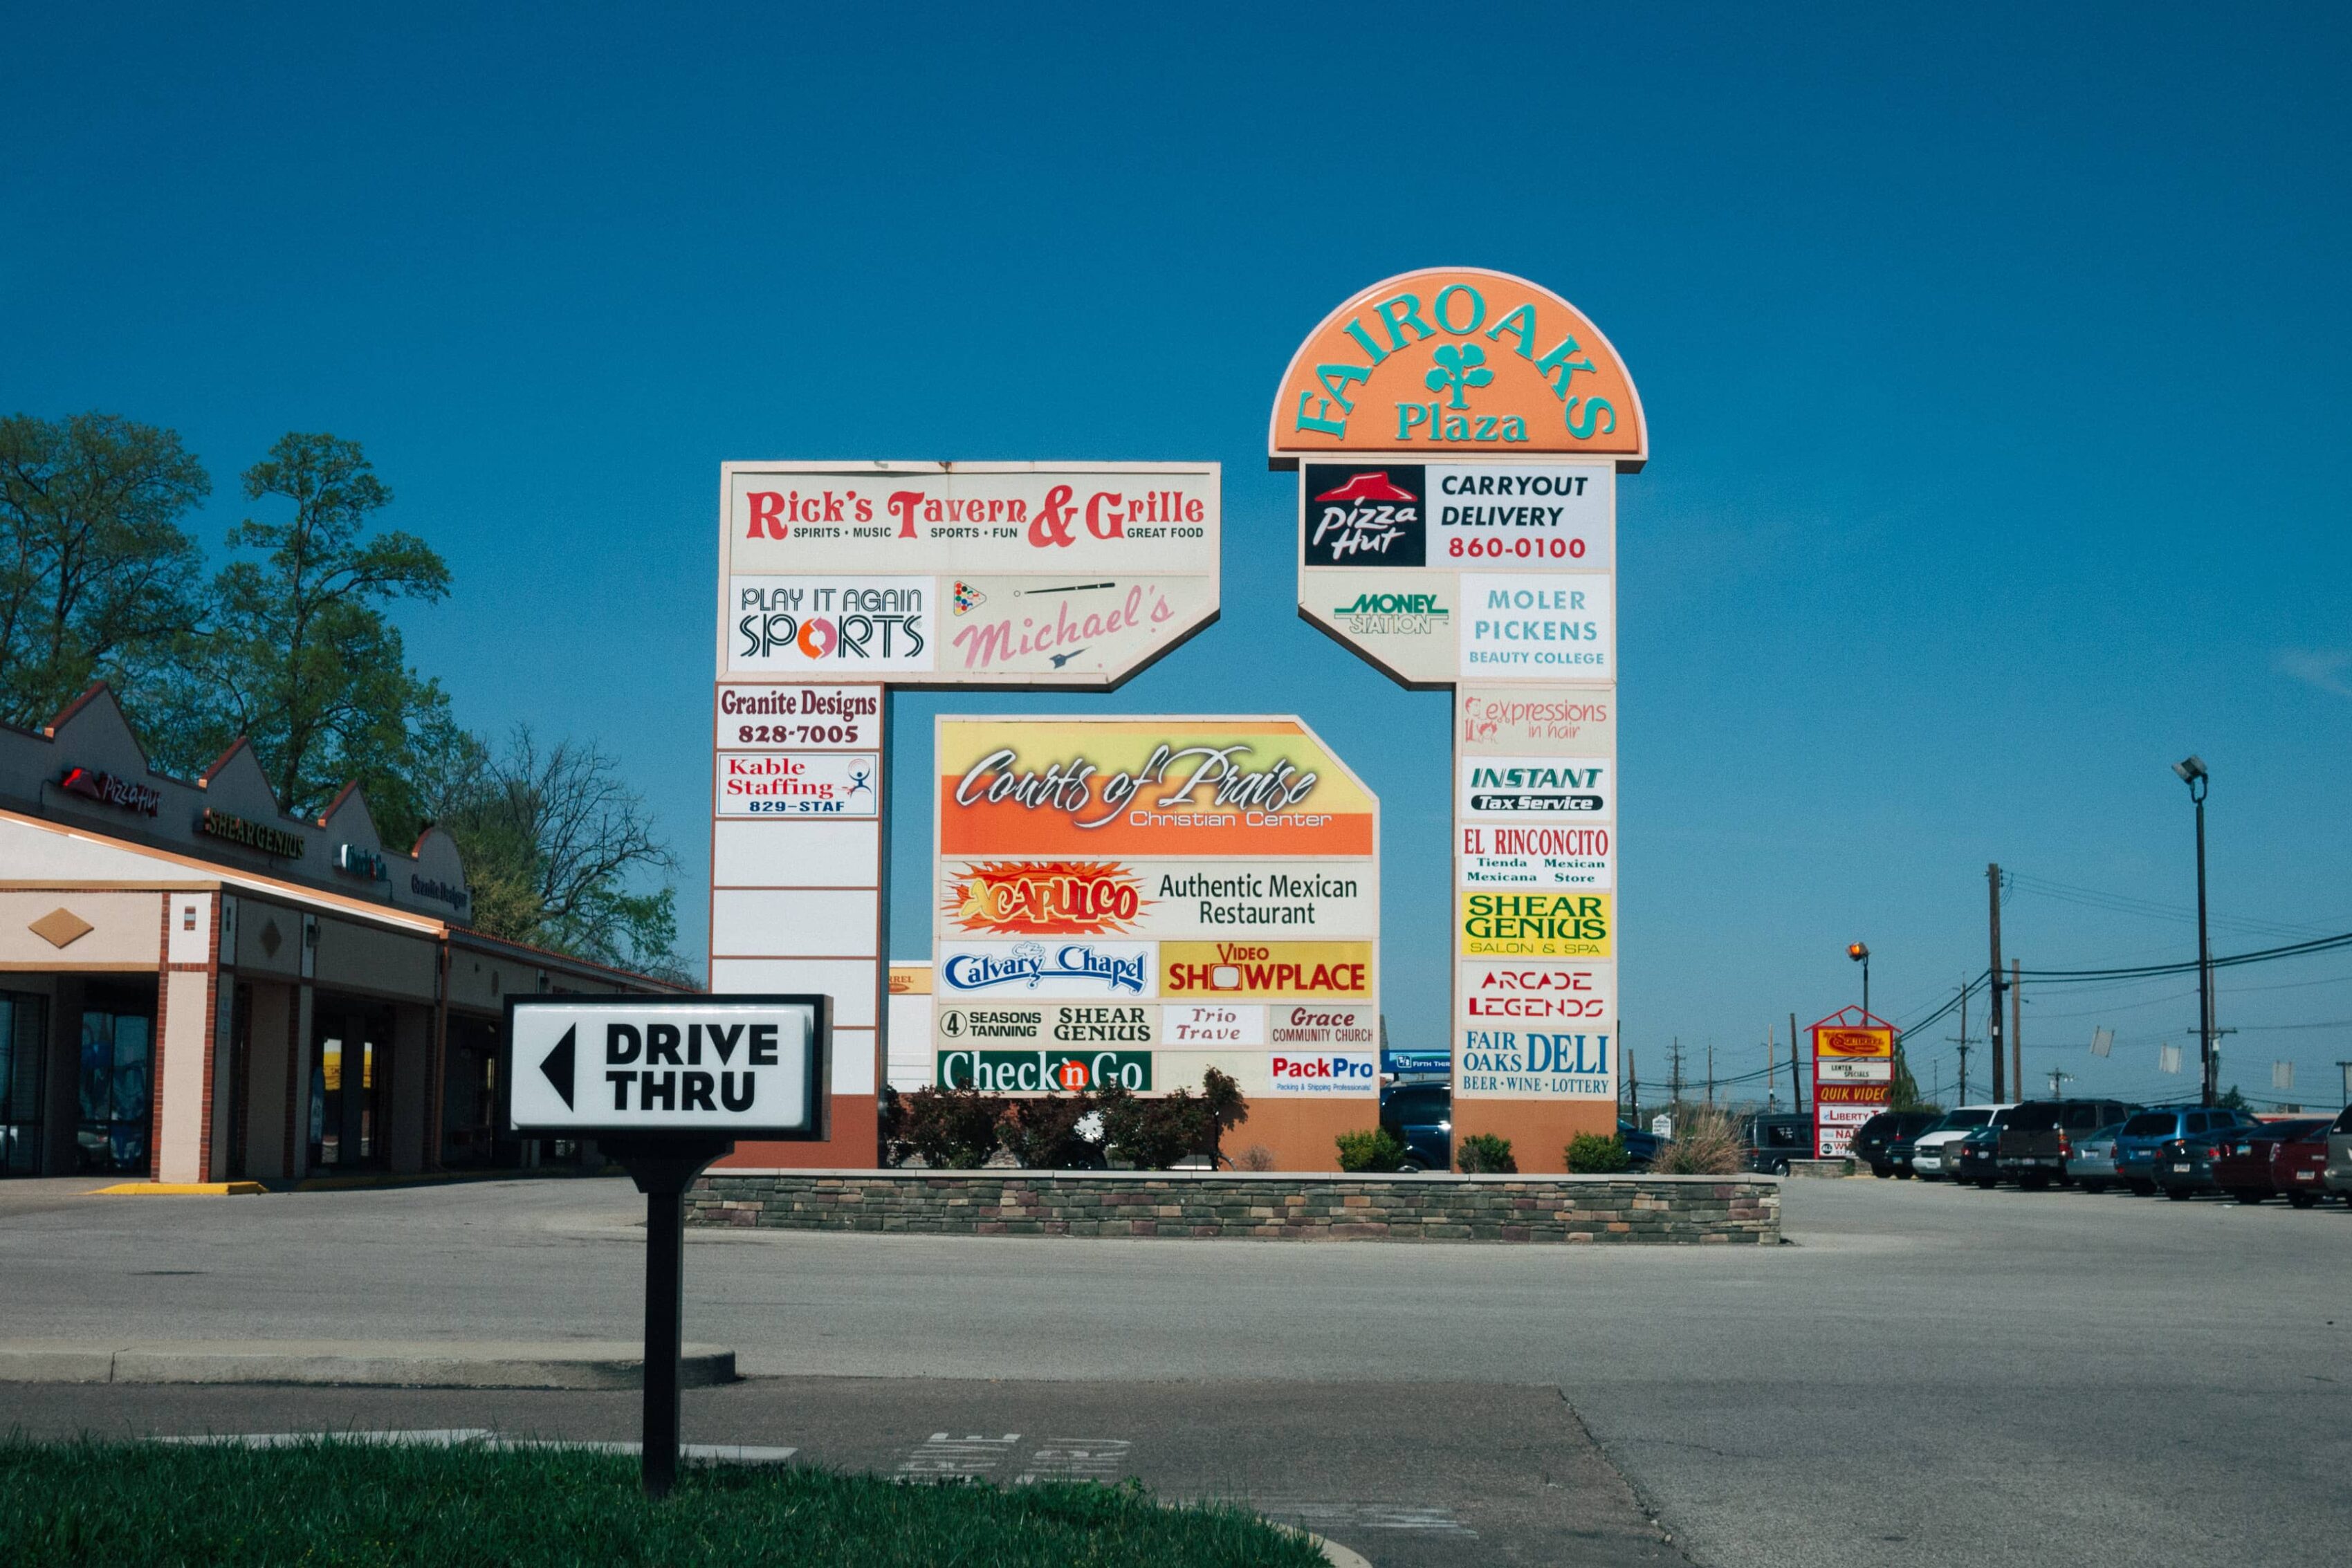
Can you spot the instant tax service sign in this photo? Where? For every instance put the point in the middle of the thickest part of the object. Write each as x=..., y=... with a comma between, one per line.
x=1459, y=433
x=1202, y=882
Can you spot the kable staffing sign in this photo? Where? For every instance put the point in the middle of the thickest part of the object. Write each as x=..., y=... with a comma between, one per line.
x=738, y=1067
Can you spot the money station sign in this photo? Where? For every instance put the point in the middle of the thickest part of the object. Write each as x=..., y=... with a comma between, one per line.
x=1458, y=435
x=1133, y=901
x=838, y=581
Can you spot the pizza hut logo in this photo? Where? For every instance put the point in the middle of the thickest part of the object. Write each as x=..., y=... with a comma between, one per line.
x=1365, y=516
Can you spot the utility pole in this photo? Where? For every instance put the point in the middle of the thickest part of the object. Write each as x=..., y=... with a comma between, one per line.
x=1963, y=1044
x=2057, y=1078
x=1632, y=1082
x=1992, y=889
x=1771, y=1069
x=1796, y=1078
x=1678, y=1074
x=2016, y=1029
x=1710, y=1073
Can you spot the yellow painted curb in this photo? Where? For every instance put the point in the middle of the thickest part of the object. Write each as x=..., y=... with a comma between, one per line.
x=179, y=1189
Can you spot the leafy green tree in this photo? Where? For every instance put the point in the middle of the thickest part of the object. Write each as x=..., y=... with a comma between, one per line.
x=557, y=845
x=299, y=655
x=1904, y=1094
x=95, y=568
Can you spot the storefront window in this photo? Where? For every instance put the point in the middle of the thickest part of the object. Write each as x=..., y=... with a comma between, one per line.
x=117, y=1092
x=23, y=1047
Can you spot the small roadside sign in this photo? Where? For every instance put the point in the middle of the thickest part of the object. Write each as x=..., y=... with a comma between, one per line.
x=737, y=1066
x=666, y=1085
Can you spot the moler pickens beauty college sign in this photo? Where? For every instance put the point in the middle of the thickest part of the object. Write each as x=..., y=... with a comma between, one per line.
x=838, y=581
x=1136, y=900
x=1459, y=434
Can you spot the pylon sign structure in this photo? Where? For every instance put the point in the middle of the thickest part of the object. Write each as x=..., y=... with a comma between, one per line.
x=1853, y=1076
x=840, y=581
x=1459, y=434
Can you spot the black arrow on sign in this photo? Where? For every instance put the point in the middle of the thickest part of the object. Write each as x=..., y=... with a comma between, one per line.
x=557, y=1068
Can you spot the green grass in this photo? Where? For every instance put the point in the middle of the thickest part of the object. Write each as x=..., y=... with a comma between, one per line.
x=350, y=1503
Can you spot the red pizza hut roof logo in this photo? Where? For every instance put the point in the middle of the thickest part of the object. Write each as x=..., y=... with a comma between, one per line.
x=108, y=791
x=1374, y=485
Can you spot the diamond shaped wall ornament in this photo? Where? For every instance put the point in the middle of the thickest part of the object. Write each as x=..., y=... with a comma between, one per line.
x=270, y=939
x=61, y=927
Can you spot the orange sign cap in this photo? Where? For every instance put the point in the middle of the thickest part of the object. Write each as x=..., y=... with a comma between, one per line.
x=1453, y=362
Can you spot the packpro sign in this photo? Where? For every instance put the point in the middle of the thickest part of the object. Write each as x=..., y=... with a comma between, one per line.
x=747, y=1067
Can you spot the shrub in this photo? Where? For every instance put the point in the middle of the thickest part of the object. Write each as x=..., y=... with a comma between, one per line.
x=1596, y=1154
x=1155, y=1134
x=1483, y=1154
x=1257, y=1158
x=1050, y=1133
x=1377, y=1150
x=951, y=1129
x=1706, y=1143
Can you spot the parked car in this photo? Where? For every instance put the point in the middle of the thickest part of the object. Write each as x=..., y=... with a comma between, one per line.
x=2183, y=1168
x=1980, y=1150
x=2145, y=1130
x=1641, y=1145
x=2338, y=1176
x=2091, y=1165
x=1875, y=1140
x=2038, y=1139
x=1421, y=1117
x=1935, y=1153
x=2299, y=1165
x=2250, y=1156
x=1774, y=1139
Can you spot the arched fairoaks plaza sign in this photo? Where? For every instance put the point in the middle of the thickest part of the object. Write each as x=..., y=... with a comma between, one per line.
x=1459, y=434
x=1458, y=362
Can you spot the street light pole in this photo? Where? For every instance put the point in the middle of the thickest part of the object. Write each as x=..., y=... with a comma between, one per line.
x=1860, y=953
x=2193, y=774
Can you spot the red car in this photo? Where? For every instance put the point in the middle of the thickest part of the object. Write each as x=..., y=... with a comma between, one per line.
x=2297, y=1165
x=2249, y=1161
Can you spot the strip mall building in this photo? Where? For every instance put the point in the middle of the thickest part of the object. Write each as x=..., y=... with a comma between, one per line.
x=195, y=986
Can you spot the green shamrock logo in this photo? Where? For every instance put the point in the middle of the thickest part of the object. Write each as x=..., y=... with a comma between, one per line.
x=1458, y=367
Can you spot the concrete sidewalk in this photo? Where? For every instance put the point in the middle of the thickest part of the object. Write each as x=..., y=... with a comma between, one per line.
x=380, y=1363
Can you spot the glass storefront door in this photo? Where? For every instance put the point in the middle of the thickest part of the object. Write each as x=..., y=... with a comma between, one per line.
x=24, y=1051
x=348, y=1062
x=117, y=1091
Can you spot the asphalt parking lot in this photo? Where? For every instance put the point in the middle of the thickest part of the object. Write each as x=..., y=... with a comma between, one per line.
x=2046, y=1377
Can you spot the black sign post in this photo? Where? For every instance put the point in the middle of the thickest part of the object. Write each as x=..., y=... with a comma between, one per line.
x=667, y=1087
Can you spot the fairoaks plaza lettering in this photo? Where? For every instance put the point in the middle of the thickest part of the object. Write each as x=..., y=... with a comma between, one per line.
x=1458, y=316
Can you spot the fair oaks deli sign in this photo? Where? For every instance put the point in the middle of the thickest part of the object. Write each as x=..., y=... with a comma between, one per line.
x=956, y=574
x=1203, y=883
x=1459, y=434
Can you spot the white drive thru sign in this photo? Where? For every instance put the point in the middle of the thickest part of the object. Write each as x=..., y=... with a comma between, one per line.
x=732, y=1066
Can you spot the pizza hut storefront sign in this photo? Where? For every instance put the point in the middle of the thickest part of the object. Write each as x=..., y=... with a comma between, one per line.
x=107, y=790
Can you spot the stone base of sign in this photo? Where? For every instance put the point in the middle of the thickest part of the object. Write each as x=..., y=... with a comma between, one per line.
x=1281, y=1206
x=1838, y=1168
x=855, y=1141
x=1540, y=1130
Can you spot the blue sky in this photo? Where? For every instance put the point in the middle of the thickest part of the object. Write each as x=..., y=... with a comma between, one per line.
x=1992, y=358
